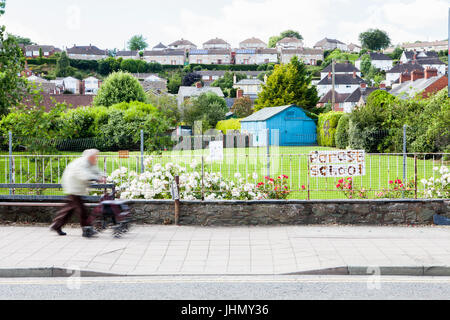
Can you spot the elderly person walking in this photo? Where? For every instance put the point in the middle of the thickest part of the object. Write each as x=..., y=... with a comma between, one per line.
x=76, y=179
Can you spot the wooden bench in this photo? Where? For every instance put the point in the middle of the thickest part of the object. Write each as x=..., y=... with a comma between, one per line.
x=42, y=201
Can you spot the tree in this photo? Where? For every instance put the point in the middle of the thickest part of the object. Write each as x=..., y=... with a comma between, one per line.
x=108, y=65
x=285, y=34
x=208, y=108
x=366, y=63
x=13, y=87
x=119, y=87
x=174, y=83
x=2, y=6
x=397, y=54
x=63, y=68
x=289, y=84
x=227, y=81
x=137, y=42
x=22, y=40
x=167, y=105
x=190, y=79
x=242, y=107
x=374, y=39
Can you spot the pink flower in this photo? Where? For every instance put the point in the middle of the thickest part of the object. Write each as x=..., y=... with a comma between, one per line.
x=349, y=179
x=303, y=188
x=391, y=182
x=341, y=181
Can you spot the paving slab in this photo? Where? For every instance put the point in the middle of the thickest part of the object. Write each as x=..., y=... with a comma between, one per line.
x=172, y=250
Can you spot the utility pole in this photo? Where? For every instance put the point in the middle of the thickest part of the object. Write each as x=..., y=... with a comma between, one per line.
x=333, y=100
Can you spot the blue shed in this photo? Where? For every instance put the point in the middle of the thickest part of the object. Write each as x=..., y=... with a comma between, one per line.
x=288, y=125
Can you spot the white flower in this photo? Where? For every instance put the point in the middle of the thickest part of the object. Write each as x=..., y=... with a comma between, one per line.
x=255, y=176
x=237, y=175
x=443, y=170
x=424, y=181
x=436, y=169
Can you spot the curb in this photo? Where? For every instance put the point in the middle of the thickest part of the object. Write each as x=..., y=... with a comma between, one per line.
x=424, y=271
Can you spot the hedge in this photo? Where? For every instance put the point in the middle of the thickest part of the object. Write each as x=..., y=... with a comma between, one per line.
x=41, y=61
x=226, y=67
x=342, y=137
x=326, y=128
x=227, y=125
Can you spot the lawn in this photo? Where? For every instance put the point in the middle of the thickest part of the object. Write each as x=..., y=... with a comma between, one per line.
x=290, y=161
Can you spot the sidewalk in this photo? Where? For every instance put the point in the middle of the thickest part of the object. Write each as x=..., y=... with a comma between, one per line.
x=171, y=250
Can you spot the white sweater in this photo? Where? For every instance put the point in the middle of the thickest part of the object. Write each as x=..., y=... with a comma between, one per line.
x=77, y=177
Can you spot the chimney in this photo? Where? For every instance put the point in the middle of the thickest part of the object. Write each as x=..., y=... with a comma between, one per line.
x=430, y=72
x=363, y=85
x=198, y=85
x=329, y=75
x=404, y=77
x=239, y=93
x=416, y=74
x=354, y=74
x=382, y=86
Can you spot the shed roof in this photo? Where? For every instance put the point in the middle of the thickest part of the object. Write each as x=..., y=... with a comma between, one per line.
x=267, y=113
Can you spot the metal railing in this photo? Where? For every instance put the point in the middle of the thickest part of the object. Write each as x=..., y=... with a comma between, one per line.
x=250, y=164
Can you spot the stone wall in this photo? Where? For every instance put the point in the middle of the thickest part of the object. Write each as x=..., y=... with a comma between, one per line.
x=238, y=213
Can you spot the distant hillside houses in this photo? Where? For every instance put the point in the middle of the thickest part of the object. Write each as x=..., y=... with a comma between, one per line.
x=426, y=46
x=87, y=53
x=378, y=60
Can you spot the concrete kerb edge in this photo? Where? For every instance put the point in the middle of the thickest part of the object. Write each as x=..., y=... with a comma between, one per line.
x=434, y=271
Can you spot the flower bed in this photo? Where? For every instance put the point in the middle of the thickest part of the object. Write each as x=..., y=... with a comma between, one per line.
x=156, y=182
x=438, y=188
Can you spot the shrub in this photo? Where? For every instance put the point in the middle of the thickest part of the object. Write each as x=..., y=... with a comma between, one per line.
x=119, y=87
x=341, y=137
x=227, y=125
x=326, y=128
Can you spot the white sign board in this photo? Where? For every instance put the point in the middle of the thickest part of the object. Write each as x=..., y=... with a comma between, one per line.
x=216, y=150
x=348, y=163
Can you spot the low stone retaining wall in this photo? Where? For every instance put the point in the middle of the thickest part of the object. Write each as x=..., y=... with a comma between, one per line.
x=238, y=213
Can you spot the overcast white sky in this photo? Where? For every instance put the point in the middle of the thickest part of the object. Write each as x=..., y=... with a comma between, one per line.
x=109, y=23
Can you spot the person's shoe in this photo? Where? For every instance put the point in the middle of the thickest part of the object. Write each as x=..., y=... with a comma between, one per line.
x=58, y=231
x=89, y=232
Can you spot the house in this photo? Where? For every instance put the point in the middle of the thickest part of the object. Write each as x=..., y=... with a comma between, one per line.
x=45, y=85
x=354, y=48
x=185, y=93
x=378, y=60
x=339, y=99
x=90, y=86
x=340, y=68
x=33, y=51
x=159, y=47
x=71, y=100
x=216, y=44
x=289, y=43
x=182, y=45
x=250, y=87
x=209, y=76
x=286, y=126
x=427, y=46
x=87, y=53
x=128, y=54
x=256, y=56
x=253, y=43
x=344, y=83
x=359, y=97
x=393, y=74
x=72, y=85
x=330, y=44
x=155, y=84
x=210, y=56
x=308, y=56
x=427, y=59
x=423, y=83
x=165, y=57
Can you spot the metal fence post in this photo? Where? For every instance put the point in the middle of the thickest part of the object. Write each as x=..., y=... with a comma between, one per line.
x=404, y=158
x=203, y=178
x=268, y=152
x=415, y=176
x=10, y=161
x=142, y=151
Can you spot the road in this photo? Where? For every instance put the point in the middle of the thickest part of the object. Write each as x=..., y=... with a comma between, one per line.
x=227, y=288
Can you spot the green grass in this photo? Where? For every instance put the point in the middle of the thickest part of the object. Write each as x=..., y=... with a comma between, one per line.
x=290, y=161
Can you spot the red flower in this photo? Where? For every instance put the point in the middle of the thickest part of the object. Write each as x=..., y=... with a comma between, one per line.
x=401, y=185
x=341, y=181
x=349, y=179
x=286, y=177
x=267, y=178
x=338, y=186
x=391, y=182
x=303, y=187
x=271, y=180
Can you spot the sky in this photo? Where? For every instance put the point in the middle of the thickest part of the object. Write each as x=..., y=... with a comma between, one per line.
x=109, y=24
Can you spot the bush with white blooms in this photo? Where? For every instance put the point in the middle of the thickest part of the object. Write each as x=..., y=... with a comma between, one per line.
x=156, y=181
x=438, y=187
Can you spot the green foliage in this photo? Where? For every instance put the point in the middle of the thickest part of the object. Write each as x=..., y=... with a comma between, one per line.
x=326, y=128
x=174, y=83
x=167, y=105
x=21, y=40
x=340, y=57
x=63, y=66
x=397, y=54
x=285, y=34
x=229, y=125
x=341, y=136
x=226, y=83
x=13, y=88
x=289, y=84
x=208, y=108
x=137, y=43
x=119, y=87
x=366, y=63
x=223, y=67
x=50, y=61
x=374, y=39
x=109, y=65
x=242, y=107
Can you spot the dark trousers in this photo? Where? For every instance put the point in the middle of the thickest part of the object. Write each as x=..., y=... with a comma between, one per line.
x=74, y=204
